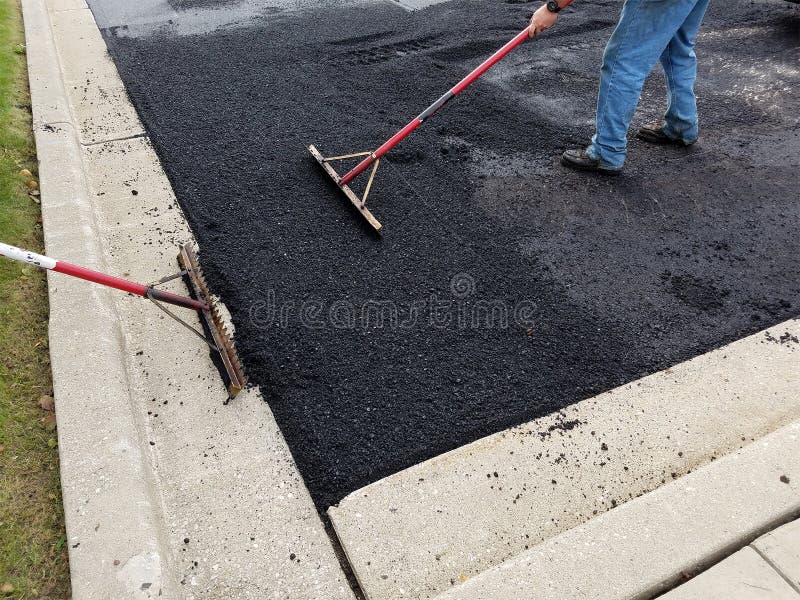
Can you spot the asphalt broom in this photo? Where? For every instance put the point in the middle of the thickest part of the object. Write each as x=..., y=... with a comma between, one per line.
x=219, y=339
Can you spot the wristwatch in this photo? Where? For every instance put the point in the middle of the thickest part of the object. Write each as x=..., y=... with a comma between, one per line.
x=553, y=6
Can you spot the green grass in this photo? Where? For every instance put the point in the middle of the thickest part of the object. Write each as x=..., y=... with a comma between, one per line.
x=33, y=553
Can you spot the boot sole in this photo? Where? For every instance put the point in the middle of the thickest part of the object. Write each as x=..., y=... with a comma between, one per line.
x=589, y=169
x=661, y=141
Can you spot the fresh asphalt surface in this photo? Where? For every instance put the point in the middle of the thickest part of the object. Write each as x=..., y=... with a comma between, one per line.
x=603, y=281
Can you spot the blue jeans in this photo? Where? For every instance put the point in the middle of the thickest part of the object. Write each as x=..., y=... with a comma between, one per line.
x=648, y=31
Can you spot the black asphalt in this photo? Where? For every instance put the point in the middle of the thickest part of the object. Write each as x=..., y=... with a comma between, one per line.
x=611, y=279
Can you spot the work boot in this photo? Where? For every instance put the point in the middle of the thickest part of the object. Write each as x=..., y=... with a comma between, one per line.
x=581, y=161
x=654, y=134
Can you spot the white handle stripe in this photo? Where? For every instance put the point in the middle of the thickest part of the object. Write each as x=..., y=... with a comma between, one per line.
x=31, y=258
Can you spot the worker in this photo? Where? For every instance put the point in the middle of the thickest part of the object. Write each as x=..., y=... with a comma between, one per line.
x=648, y=31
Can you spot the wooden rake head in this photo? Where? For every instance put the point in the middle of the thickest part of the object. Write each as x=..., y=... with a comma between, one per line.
x=343, y=184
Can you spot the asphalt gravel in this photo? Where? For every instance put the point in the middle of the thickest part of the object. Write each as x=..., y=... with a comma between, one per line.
x=505, y=287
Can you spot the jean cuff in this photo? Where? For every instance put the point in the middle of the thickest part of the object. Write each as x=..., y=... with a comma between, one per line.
x=594, y=152
x=674, y=135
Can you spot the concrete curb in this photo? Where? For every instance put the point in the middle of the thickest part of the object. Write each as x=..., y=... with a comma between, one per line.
x=166, y=492
x=102, y=469
x=643, y=547
x=421, y=531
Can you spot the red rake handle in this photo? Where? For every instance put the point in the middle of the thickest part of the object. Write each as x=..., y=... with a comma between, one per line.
x=59, y=266
x=434, y=108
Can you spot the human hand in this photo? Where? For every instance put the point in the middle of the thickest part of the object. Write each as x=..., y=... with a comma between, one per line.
x=541, y=20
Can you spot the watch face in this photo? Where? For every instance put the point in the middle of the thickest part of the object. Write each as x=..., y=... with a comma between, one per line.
x=552, y=6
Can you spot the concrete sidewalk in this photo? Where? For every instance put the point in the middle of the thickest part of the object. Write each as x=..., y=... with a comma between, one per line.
x=767, y=569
